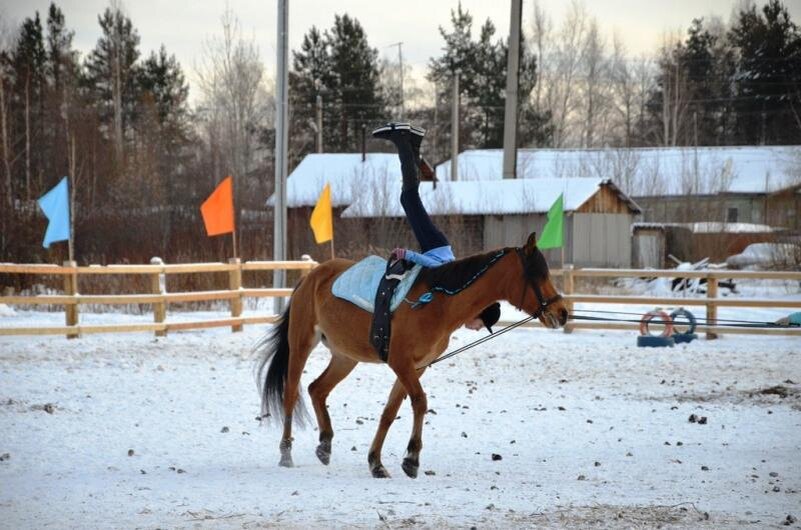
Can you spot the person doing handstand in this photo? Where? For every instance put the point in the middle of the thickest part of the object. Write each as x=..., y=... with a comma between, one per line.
x=435, y=249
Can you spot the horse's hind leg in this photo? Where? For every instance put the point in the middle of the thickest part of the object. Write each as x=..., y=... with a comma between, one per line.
x=338, y=369
x=409, y=377
x=396, y=396
x=302, y=340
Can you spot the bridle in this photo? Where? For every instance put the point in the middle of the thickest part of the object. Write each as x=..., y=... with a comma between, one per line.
x=541, y=300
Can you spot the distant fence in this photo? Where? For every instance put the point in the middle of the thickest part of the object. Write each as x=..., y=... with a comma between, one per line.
x=159, y=299
x=711, y=302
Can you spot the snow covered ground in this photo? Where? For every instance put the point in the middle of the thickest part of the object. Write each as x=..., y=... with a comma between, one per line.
x=127, y=430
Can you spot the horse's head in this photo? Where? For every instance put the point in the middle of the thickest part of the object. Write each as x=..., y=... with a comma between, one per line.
x=540, y=298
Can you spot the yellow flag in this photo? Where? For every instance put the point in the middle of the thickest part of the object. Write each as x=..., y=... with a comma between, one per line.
x=322, y=222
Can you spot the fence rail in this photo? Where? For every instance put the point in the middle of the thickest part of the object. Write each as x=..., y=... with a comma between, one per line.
x=235, y=294
x=157, y=297
x=712, y=301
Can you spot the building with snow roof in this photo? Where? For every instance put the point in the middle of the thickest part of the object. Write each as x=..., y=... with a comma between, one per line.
x=676, y=184
x=500, y=213
x=475, y=215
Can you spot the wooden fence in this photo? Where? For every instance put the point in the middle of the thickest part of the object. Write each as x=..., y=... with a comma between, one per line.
x=157, y=297
x=712, y=301
x=235, y=294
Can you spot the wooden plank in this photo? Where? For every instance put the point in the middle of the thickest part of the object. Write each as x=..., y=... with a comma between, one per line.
x=120, y=269
x=200, y=296
x=221, y=322
x=33, y=268
x=120, y=328
x=267, y=292
x=677, y=302
x=198, y=267
x=671, y=273
x=40, y=299
x=120, y=299
x=34, y=331
x=272, y=265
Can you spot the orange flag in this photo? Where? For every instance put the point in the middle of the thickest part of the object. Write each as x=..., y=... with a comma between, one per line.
x=322, y=222
x=218, y=209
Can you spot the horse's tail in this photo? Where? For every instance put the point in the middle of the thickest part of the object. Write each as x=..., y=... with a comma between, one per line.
x=272, y=369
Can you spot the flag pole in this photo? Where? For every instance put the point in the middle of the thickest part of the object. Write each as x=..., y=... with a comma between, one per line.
x=233, y=237
x=332, y=247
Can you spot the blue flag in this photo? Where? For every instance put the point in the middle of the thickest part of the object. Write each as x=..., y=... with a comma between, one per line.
x=56, y=206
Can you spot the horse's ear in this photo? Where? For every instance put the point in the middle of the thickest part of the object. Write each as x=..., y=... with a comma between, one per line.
x=531, y=243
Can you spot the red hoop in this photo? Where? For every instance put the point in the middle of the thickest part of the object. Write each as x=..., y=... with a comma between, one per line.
x=649, y=316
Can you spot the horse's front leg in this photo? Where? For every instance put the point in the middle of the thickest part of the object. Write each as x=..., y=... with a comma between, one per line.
x=396, y=396
x=409, y=377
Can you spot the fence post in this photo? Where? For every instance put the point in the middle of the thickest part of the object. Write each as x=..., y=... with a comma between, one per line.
x=711, y=307
x=71, y=288
x=235, y=284
x=304, y=272
x=567, y=289
x=158, y=285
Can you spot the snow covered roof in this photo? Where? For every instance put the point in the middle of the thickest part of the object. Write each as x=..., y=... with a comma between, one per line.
x=642, y=172
x=494, y=197
x=346, y=173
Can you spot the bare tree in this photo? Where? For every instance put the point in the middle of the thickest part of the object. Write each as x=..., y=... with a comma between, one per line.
x=595, y=82
x=236, y=106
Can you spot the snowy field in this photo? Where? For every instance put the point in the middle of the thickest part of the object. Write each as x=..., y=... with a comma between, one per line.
x=127, y=430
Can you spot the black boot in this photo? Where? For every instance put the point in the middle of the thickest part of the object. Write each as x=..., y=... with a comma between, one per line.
x=391, y=131
x=407, y=140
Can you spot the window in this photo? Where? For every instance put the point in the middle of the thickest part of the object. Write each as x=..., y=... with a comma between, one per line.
x=731, y=216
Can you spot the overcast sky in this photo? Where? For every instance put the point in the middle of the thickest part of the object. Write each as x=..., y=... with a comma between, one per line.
x=182, y=25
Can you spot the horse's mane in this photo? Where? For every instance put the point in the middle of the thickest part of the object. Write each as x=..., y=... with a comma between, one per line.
x=454, y=275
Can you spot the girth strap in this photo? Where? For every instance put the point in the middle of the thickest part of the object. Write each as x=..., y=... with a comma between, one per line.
x=381, y=326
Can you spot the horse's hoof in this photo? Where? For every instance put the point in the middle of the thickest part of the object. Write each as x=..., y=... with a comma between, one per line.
x=286, y=462
x=324, y=453
x=410, y=467
x=380, y=472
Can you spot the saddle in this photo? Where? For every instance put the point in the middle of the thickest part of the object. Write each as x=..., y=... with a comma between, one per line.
x=378, y=286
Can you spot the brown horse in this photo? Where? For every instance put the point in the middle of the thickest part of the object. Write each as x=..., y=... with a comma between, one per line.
x=419, y=335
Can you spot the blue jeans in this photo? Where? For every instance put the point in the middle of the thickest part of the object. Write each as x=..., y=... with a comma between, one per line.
x=427, y=234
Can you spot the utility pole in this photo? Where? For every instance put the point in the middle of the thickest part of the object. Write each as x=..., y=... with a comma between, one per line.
x=510, y=112
x=455, y=127
x=281, y=141
x=400, y=66
x=319, y=104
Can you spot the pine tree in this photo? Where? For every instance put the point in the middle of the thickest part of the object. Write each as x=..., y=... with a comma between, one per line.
x=111, y=74
x=768, y=98
x=311, y=75
x=340, y=65
x=356, y=88
x=28, y=63
x=63, y=110
x=482, y=66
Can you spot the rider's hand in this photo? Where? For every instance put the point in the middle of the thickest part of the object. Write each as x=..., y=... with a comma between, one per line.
x=398, y=254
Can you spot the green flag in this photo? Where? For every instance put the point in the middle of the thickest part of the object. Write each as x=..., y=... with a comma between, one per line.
x=553, y=233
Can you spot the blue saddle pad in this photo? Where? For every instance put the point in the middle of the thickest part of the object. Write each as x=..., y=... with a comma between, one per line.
x=359, y=284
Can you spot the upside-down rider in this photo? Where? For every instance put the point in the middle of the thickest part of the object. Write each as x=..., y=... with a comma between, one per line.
x=435, y=249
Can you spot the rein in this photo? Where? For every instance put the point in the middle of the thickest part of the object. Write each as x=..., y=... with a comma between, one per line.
x=482, y=340
x=541, y=300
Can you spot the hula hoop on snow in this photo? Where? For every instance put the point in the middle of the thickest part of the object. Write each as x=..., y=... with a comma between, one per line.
x=651, y=315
